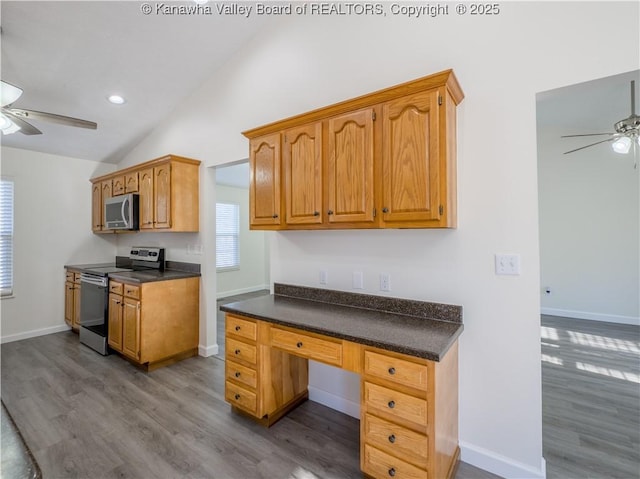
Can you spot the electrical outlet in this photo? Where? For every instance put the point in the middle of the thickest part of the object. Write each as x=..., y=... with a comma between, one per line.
x=324, y=276
x=385, y=282
x=358, y=280
x=508, y=264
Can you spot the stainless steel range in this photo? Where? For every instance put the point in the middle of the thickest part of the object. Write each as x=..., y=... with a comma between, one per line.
x=94, y=294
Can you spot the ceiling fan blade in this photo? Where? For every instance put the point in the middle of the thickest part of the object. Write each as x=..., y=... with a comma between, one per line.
x=588, y=134
x=53, y=118
x=587, y=146
x=25, y=128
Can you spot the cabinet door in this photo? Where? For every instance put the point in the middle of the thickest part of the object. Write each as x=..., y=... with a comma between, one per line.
x=131, y=182
x=302, y=166
x=350, y=167
x=118, y=186
x=410, y=161
x=106, y=187
x=115, y=322
x=76, y=306
x=145, y=190
x=264, y=184
x=131, y=328
x=96, y=207
x=68, y=303
x=162, y=196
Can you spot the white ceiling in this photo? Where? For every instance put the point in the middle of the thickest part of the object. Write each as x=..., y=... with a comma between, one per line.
x=69, y=56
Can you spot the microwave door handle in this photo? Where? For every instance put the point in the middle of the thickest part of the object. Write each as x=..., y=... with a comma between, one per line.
x=124, y=203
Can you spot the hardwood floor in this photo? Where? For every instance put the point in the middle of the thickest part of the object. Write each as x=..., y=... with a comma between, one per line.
x=88, y=416
x=590, y=399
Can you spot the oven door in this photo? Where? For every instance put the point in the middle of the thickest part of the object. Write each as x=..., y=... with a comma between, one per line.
x=94, y=304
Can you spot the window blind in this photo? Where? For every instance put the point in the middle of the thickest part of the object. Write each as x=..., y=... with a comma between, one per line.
x=6, y=237
x=227, y=236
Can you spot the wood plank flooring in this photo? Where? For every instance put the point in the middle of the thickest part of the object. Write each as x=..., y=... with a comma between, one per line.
x=88, y=416
x=590, y=399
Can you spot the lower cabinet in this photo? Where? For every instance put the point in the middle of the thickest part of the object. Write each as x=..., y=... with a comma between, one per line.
x=156, y=323
x=72, y=290
x=408, y=406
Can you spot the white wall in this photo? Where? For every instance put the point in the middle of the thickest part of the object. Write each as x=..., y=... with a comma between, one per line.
x=501, y=61
x=589, y=232
x=252, y=274
x=52, y=227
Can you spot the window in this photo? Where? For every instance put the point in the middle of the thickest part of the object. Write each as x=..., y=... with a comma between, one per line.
x=6, y=237
x=227, y=236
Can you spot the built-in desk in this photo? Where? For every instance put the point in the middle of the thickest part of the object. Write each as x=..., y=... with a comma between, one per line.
x=408, y=365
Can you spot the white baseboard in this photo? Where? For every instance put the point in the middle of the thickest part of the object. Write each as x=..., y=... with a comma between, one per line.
x=500, y=465
x=338, y=403
x=34, y=333
x=206, y=351
x=250, y=289
x=607, y=318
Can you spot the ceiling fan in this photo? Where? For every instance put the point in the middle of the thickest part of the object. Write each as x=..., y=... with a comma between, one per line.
x=627, y=131
x=15, y=119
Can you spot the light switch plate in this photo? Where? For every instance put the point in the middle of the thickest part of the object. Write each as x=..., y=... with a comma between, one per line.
x=508, y=264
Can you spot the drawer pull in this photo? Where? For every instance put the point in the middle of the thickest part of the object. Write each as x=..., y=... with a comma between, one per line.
x=237, y=374
x=392, y=371
x=392, y=472
x=299, y=345
x=392, y=438
x=237, y=328
x=237, y=351
x=237, y=396
x=391, y=404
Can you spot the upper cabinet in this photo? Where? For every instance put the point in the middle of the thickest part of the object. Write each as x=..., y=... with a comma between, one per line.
x=168, y=189
x=383, y=160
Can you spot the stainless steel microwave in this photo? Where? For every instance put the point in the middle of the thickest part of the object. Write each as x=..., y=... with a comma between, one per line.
x=121, y=212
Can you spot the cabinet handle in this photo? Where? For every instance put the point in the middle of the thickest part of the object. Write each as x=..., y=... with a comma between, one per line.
x=274, y=216
x=237, y=374
x=237, y=351
x=391, y=404
x=299, y=345
x=237, y=328
x=237, y=396
x=392, y=371
x=316, y=213
x=330, y=212
x=385, y=210
x=118, y=302
x=392, y=472
x=392, y=438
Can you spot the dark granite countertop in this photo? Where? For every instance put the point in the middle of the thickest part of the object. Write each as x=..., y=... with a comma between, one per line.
x=148, y=276
x=412, y=334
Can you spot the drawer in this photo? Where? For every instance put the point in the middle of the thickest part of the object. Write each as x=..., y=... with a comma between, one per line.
x=115, y=287
x=241, y=327
x=76, y=277
x=396, y=370
x=242, y=374
x=395, y=403
x=132, y=291
x=396, y=440
x=323, y=350
x=237, y=350
x=240, y=397
x=379, y=464
x=69, y=276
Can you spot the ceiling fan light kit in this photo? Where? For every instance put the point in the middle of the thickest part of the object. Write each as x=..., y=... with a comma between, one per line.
x=627, y=131
x=15, y=119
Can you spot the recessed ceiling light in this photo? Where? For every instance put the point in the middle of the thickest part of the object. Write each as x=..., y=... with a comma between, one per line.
x=116, y=100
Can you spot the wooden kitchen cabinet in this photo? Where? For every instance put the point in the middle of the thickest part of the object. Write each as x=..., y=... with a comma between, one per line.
x=72, y=291
x=383, y=160
x=264, y=189
x=155, y=323
x=168, y=189
x=302, y=169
